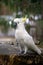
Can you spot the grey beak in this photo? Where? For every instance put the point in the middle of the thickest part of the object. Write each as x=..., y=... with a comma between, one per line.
x=15, y=25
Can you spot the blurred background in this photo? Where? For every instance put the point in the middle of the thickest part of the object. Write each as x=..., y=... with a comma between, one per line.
x=11, y=9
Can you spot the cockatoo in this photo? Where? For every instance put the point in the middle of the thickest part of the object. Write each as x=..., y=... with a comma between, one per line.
x=23, y=37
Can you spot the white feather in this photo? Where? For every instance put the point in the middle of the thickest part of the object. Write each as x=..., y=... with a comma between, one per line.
x=24, y=38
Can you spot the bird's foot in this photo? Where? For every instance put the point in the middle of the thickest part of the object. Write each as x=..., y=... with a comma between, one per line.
x=22, y=53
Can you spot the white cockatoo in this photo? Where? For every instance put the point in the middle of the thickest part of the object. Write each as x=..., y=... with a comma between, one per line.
x=23, y=38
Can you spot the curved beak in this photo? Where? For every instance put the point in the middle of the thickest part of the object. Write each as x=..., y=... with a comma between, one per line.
x=15, y=25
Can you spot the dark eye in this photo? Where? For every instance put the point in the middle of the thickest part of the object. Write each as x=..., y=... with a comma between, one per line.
x=18, y=22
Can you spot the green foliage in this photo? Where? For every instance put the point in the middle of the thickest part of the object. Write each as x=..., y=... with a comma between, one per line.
x=40, y=22
x=27, y=27
x=31, y=6
x=35, y=8
x=5, y=25
x=6, y=2
x=26, y=6
x=34, y=1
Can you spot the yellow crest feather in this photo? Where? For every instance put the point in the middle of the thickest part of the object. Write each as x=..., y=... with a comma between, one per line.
x=24, y=19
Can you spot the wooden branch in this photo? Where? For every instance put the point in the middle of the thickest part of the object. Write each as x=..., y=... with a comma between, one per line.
x=29, y=58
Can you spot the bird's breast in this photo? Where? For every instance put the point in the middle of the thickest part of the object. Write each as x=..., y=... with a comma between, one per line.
x=18, y=34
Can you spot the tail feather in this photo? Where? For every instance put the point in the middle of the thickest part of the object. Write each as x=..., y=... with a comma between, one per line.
x=36, y=49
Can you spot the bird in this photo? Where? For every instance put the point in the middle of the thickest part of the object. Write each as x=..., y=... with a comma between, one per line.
x=23, y=37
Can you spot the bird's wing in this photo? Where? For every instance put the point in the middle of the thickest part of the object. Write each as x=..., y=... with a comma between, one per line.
x=27, y=37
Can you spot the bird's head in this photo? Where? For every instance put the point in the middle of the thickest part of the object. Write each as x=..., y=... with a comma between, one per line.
x=19, y=22
x=16, y=22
